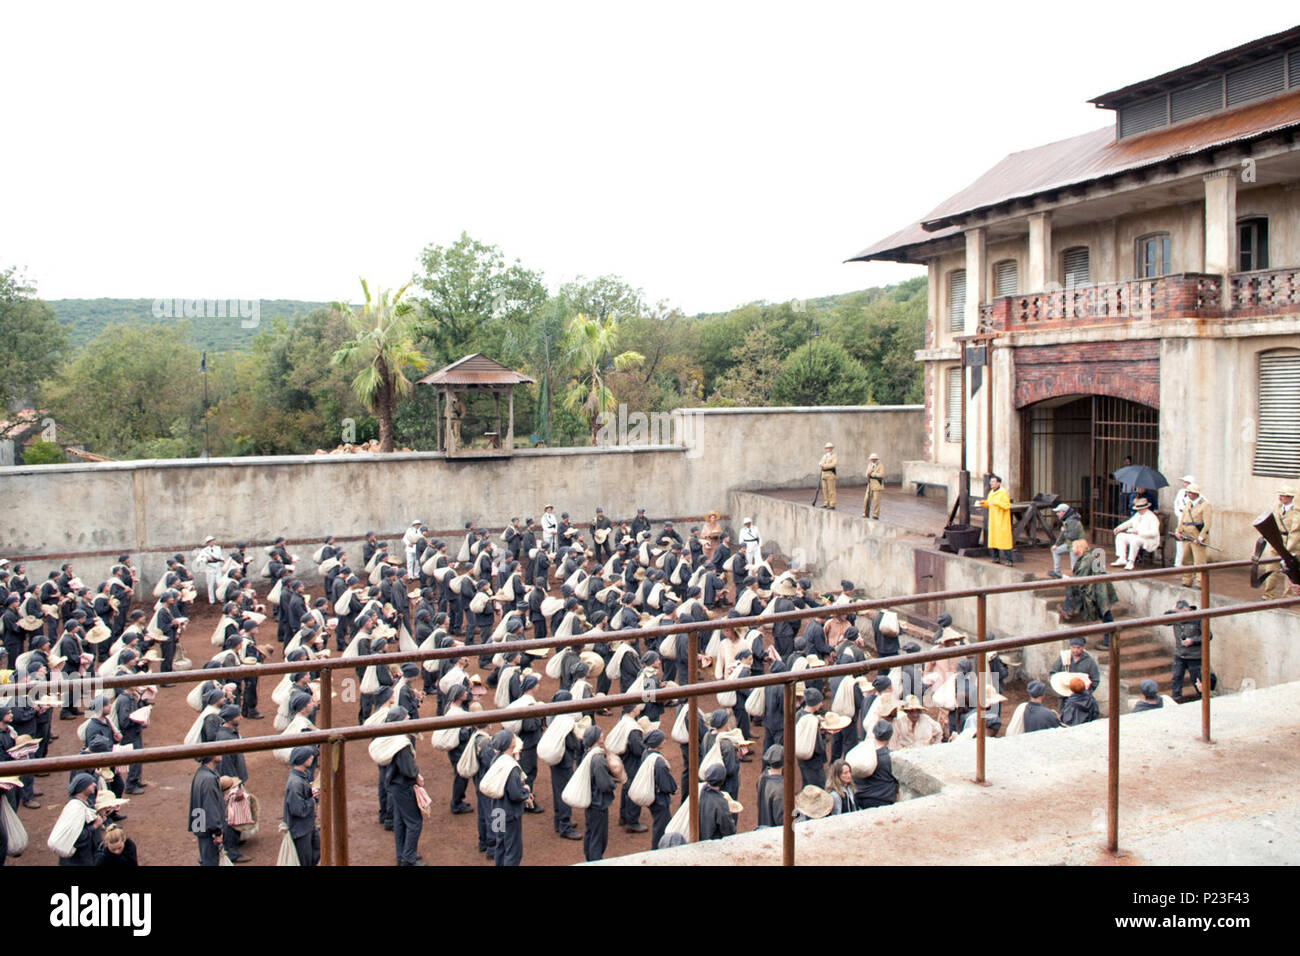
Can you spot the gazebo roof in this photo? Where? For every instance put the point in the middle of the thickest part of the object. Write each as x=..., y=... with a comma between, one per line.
x=476, y=369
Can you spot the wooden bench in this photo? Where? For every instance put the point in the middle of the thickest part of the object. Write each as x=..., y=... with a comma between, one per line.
x=922, y=485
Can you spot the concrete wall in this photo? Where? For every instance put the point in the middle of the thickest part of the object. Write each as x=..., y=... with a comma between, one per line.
x=153, y=508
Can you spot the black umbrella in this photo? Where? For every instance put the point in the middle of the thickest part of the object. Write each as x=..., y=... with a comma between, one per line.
x=1140, y=476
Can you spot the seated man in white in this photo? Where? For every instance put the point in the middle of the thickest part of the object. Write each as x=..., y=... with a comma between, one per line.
x=1142, y=531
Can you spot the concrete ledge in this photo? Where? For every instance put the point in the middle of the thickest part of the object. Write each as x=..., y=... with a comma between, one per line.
x=1182, y=802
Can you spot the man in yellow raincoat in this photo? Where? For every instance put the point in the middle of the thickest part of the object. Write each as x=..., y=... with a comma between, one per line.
x=999, y=534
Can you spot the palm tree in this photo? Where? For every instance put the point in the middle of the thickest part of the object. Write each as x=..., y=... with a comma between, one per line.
x=384, y=335
x=590, y=344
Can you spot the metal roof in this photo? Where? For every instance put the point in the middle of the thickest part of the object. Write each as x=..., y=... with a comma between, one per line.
x=1225, y=59
x=476, y=369
x=1084, y=159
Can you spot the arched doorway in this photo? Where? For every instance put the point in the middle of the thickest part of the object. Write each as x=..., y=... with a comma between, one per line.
x=1073, y=444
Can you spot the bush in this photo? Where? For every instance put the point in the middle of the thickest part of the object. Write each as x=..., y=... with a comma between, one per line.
x=44, y=453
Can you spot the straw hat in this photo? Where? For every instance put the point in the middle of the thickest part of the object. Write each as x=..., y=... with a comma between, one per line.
x=154, y=653
x=910, y=702
x=646, y=724
x=732, y=804
x=1060, y=682
x=711, y=516
x=886, y=704
x=104, y=800
x=832, y=722
x=1141, y=503
x=813, y=802
x=538, y=652
x=1286, y=491
x=595, y=663
x=784, y=587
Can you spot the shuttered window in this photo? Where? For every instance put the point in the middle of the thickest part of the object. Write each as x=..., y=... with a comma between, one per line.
x=1194, y=100
x=1252, y=243
x=957, y=300
x=1277, y=441
x=1254, y=82
x=1006, y=278
x=1141, y=117
x=1075, y=266
x=952, y=406
x=1153, y=256
x=1293, y=70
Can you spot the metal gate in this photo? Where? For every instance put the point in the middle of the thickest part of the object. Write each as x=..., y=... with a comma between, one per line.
x=1120, y=429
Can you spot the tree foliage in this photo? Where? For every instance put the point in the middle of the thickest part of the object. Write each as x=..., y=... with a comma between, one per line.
x=33, y=341
x=821, y=373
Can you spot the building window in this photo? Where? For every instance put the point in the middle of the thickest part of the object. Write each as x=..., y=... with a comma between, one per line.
x=1277, y=441
x=1153, y=256
x=952, y=406
x=1006, y=278
x=1252, y=243
x=957, y=300
x=1075, y=266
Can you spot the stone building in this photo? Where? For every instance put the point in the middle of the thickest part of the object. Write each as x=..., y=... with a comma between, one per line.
x=1138, y=288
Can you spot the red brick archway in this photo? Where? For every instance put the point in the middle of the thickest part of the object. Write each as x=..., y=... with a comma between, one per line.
x=1128, y=370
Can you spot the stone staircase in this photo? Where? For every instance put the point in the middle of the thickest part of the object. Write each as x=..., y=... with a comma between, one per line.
x=1142, y=655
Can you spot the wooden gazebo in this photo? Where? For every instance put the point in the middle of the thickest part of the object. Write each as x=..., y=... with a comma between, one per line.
x=475, y=374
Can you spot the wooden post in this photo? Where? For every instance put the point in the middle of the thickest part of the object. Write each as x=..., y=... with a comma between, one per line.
x=693, y=745
x=1205, y=659
x=1112, y=764
x=338, y=761
x=981, y=635
x=510, y=429
x=327, y=779
x=787, y=815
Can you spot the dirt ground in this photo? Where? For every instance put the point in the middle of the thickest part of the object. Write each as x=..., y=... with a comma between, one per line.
x=156, y=819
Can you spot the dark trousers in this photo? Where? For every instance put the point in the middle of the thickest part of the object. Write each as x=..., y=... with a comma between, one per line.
x=458, y=786
x=741, y=714
x=230, y=839
x=659, y=817
x=510, y=848
x=1184, y=666
x=559, y=780
x=385, y=801
x=629, y=811
x=772, y=736
x=365, y=707
x=308, y=847
x=454, y=613
x=813, y=773
x=407, y=823
x=686, y=772
x=208, y=853
x=249, y=700
x=539, y=628
x=168, y=653
x=596, y=835
x=486, y=838
x=528, y=764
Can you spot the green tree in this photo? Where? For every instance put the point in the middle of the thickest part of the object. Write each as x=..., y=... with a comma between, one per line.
x=590, y=345
x=539, y=347
x=382, y=341
x=130, y=386
x=821, y=373
x=43, y=453
x=749, y=381
x=471, y=295
x=33, y=340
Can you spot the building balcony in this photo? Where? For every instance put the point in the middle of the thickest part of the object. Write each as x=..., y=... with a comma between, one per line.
x=1186, y=295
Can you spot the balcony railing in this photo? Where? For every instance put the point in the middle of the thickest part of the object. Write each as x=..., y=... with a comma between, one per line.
x=1188, y=294
x=1265, y=292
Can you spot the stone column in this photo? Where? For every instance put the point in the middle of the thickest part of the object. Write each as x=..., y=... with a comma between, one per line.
x=1221, y=226
x=1040, y=271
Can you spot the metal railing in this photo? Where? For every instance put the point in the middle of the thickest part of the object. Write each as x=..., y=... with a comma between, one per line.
x=333, y=789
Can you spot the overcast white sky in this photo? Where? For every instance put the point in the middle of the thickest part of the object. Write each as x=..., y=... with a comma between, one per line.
x=712, y=154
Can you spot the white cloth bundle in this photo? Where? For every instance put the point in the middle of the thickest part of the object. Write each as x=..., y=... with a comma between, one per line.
x=15, y=832
x=861, y=758
x=550, y=749
x=805, y=736
x=449, y=737
x=194, y=735
x=300, y=724
x=642, y=789
x=521, y=702
x=577, y=792
x=72, y=820
x=616, y=740
x=494, y=781
x=382, y=750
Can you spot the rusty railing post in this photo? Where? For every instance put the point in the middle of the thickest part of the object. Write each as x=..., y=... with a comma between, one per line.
x=327, y=788
x=1205, y=659
x=1112, y=761
x=787, y=815
x=693, y=729
x=981, y=609
x=338, y=761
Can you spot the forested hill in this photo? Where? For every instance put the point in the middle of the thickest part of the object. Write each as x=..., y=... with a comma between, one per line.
x=232, y=331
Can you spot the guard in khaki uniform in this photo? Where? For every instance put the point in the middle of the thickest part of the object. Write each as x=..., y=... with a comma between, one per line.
x=1287, y=517
x=1194, y=528
x=875, y=488
x=828, y=465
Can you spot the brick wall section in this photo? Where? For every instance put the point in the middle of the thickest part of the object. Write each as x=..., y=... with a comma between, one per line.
x=930, y=375
x=1128, y=370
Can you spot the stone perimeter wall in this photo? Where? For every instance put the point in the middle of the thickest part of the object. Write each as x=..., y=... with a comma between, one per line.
x=88, y=513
